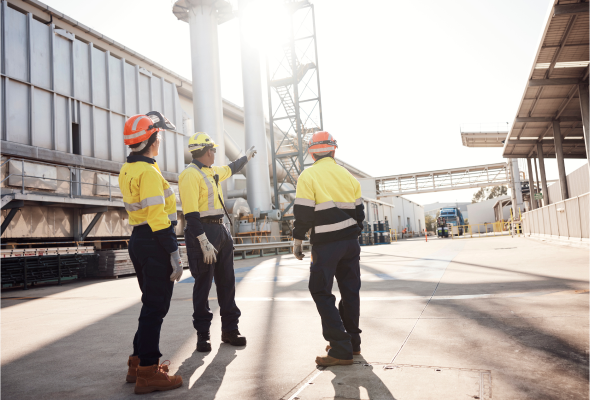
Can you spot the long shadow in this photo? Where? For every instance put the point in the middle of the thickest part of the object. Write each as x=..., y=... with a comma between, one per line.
x=208, y=384
x=347, y=382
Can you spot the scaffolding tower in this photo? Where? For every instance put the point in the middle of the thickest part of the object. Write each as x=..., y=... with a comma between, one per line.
x=294, y=100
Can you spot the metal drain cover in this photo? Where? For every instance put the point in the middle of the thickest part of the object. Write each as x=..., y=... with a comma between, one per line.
x=377, y=381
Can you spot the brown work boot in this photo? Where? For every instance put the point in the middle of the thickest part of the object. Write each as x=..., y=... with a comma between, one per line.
x=155, y=377
x=328, y=361
x=132, y=363
x=354, y=353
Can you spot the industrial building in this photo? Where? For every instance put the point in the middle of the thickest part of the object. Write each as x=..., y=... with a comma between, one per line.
x=67, y=91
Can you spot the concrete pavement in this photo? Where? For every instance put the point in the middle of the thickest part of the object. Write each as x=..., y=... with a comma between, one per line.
x=501, y=318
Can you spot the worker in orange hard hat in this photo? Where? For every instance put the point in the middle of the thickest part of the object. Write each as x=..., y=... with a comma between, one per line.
x=329, y=203
x=153, y=249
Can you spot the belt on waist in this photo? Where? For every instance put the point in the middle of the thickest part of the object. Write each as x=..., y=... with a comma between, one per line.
x=207, y=220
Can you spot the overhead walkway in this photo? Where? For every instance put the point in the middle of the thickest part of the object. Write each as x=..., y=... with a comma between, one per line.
x=444, y=179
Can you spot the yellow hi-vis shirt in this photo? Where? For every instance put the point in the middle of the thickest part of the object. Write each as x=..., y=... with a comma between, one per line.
x=198, y=191
x=147, y=195
x=328, y=200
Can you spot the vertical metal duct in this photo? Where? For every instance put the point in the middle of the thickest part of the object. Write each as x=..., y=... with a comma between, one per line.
x=258, y=182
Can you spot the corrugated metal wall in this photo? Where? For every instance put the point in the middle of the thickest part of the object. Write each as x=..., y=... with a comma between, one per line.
x=578, y=183
x=50, y=80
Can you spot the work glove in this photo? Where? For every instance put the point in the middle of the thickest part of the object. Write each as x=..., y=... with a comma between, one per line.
x=251, y=152
x=298, y=249
x=209, y=252
x=176, y=266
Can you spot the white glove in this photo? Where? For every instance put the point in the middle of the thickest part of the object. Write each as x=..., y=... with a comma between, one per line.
x=251, y=153
x=298, y=249
x=176, y=266
x=208, y=249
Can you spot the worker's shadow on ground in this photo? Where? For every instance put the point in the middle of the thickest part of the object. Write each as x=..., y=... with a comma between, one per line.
x=358, y=381
x=208, y=384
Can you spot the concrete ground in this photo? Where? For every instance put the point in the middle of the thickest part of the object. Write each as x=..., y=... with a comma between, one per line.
x=484, y=318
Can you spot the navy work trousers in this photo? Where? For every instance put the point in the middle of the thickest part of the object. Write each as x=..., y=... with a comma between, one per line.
x=152, y=265
x=340, y=326
x=222, y=271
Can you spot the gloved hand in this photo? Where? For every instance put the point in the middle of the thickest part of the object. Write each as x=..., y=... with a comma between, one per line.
x=251, y=153
x=298, y=249
x=176, y=266
x=209, y=252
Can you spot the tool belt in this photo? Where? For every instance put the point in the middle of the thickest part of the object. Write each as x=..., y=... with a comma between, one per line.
x=207, y=220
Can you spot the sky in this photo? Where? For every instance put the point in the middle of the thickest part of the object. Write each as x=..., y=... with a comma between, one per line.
x=398, y=78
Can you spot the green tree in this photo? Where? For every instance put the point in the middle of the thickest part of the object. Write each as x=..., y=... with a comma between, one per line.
x=488, y=194
x=430, y=222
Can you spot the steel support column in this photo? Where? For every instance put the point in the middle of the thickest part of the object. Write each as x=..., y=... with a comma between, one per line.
x=584, y=108
x=546, y=200
x=539, y=203
x=560, y=163
x=258, y=181
x=531, y=183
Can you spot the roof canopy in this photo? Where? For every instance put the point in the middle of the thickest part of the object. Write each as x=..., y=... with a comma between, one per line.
x=551, y=94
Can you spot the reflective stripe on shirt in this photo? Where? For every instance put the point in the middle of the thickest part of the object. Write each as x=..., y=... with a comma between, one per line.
x=335, y=227
x=304, y=202
x=149, y=201
x=210, y=193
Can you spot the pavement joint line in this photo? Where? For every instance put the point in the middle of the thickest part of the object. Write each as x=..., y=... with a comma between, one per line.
x=446, y=248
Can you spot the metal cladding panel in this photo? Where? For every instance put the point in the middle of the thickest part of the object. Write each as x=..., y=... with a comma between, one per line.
x=169, y=103
x=144, y=94
x=578, y=182
x=86, y=129
x=546, y=225
x=42, y=119
x=2, y=90
x=81, y=71
x=561, y=218
x=116, y=84
x=179, y=120
x=170, y=139
x=130, y=90
x=62, y=127
x=117, y=144
x=555, y=228
x=17, y=112
x=584, y=204
x=101, y=134
x=157, y=95
x=179, y=153
x=16, y=57
x=62, y=61
x=572, y=213
x=99, y=78
x=41, y=48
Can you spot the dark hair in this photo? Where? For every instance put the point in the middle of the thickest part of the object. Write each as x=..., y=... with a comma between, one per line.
x=199, y=153
x=330, y=154
x=151, y=141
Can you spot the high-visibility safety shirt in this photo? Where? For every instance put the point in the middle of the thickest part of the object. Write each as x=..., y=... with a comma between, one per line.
x=329, y=202
x=149, y=199
x=199, y=193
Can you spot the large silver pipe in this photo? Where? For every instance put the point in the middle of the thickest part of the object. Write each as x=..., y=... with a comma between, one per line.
x=258, y=183
x=207, y=101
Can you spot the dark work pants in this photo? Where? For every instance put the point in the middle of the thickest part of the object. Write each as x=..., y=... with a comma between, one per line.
x=340, y=325
x=152, y=265
x=222, y=271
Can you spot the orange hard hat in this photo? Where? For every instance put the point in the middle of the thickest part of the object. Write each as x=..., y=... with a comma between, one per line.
x=322, y=142
x=140, y=127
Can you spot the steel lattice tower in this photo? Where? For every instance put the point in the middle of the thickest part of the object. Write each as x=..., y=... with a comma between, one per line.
x=294, y=100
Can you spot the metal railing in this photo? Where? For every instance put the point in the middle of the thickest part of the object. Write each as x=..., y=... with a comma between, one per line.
x=568, y=219
x=276, y=246
x=488, y=229
x=75, y=180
